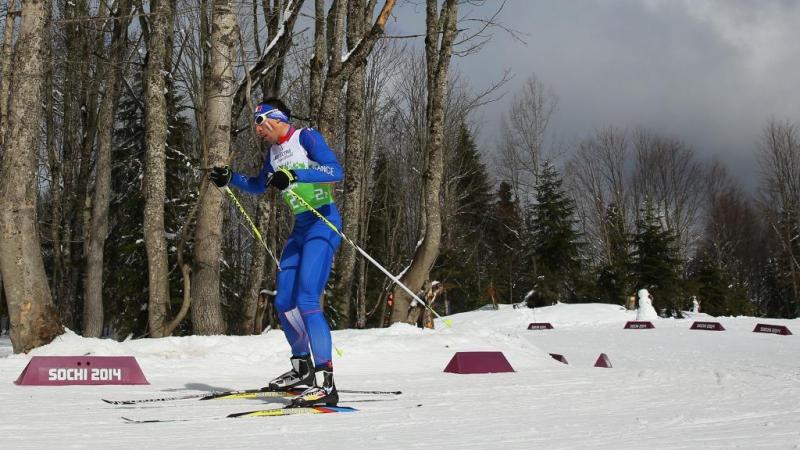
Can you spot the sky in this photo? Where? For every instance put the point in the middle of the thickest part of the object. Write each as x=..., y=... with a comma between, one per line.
x=709, y=72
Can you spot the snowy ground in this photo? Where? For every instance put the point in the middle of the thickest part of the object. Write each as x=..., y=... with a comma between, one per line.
x=669, y=388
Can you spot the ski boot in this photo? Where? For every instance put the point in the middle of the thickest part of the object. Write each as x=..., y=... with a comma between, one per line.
x=302, y=373
x=323, y=391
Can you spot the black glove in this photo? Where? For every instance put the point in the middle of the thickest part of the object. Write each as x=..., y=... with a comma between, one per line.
x=220, y=176
x=282, y=178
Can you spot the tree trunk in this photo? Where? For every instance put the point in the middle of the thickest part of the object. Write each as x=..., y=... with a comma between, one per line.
x=33, y=317
x=268, y=68
x=55, y=168
x=317, y=64
x=339, y=69
x=361, y=293
x=70, y=160
x=271, y=84
x=82, y=74
x=206, y=309
x=251, y=323
x=253, y=319
x=155, y=168
x=5, y=68
x=354, y=168
x=437, y=62
x=98, y=229
x=82, y=200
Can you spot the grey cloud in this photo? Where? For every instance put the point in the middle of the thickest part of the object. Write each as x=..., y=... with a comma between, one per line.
x=709, y=72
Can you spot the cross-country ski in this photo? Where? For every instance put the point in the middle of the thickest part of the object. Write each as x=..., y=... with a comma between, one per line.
x=272, y=412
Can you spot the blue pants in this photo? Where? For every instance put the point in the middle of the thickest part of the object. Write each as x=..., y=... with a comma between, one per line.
x=305, y=268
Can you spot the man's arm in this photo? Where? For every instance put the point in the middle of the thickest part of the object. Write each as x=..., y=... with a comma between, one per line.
x=256, y=184
x=328, y=169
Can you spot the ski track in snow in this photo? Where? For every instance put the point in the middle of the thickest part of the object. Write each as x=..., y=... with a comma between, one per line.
x=670, y=387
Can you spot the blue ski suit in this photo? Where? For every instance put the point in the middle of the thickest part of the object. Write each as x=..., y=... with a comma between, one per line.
x=306, y=259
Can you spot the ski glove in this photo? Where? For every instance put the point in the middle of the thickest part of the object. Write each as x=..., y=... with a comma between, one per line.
x=282, y=178
x=220, y=176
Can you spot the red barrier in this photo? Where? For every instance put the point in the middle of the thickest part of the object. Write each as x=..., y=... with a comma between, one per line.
x=478, y=362
x=712, y=326
x=603, y=361
x=773, y=329
x=559, y=358
x=540, y=326
x=81, y=370
x=639, y=325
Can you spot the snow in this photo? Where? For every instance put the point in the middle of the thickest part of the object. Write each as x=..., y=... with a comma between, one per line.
x=670, y=387
x=346, y=56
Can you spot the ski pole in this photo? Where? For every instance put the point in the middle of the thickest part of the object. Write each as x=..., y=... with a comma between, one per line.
x=366, y=255
x=253, y=227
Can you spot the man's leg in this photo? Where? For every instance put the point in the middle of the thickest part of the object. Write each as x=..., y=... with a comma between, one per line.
x=294, y=329
x=291, y=321
x=315, y=267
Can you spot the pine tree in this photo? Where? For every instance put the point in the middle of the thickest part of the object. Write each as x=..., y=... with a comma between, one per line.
x=462, y=264
x=555, y=241
x=655, y=260
x=126, y=266
x=382, y=225
x=613, y=281
x=125, y=278
x=718, y=292
x=785, y=302
x=504, y=239
x=777, y=291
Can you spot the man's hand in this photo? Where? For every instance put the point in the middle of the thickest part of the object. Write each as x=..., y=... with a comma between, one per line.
x=282, y=178
x=220, y=176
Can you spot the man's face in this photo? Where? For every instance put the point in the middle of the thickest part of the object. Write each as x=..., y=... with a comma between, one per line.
x=270, y=130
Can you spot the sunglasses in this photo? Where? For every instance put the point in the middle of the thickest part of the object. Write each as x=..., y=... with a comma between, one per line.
x=275, y=114
x=260, y=119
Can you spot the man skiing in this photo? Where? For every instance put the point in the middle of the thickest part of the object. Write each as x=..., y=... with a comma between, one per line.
x=299, y=163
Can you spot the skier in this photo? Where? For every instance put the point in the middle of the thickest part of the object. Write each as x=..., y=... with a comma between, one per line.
x=299, y=162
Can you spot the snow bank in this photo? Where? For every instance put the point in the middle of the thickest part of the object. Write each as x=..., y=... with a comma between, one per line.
x=670, y=387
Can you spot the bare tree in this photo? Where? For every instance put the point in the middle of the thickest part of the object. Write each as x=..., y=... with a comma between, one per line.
x=251, y=323
x=34, y=321
x=381, y=71
x=735, y=232
x=339, y=68
x=206, y=308
x=780, y=165
x=668, y=174
x=81, y=71
x=268, y=68
x=279, y=20
x=5, y=67
x=358, y=17
x=524, y=132
x=599, y=179
x=154, y=183
x=439, y=36
x=93, y=285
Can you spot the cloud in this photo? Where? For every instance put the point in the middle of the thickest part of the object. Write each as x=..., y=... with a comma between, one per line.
x=766, y=32
x=710, y=72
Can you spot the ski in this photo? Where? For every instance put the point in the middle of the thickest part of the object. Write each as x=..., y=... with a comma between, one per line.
x=223, y=395
x=356, y=391
x=252, y=394
x=271, y=412
x=293, y=411
x=241, y=394
x=129, y=420
x=150, y=400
